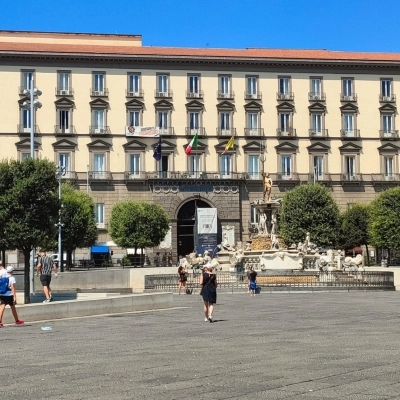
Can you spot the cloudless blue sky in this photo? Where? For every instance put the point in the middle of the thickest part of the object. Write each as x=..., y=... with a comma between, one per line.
x=355, y=25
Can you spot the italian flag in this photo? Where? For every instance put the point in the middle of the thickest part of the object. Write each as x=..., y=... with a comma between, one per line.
x=193, y=143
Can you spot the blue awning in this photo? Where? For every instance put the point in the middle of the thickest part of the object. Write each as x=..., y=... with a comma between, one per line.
x=100, y=249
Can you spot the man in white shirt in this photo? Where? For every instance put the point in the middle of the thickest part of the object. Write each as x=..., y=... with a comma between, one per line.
x=3, y=272
x=9, y=298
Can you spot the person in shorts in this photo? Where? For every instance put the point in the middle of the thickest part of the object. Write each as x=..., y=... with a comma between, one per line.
x=9, y=298
x=44, y=267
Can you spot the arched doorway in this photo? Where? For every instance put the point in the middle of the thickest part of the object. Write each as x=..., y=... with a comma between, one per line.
x=185, y=225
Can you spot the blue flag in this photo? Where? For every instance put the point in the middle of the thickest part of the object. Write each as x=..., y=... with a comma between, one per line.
x=157, y=150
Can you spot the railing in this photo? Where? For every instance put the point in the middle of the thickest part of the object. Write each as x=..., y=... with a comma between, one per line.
x=169, y=131
x=367, y=280
x=225, y=95
x=285, y=96
x=99, y=130
x=226, y=132
x=391, y=98
x=252, y=96
x=100, y=175
x=70, y=176
x=26, y=131
x=193, y=131
x=389, y=134
x=198, y=175
x=385, y=178
x=254, y=131
x=64, y=130
x=285, y=176
x=251, y=176
x=64, y=92
x=320, y=177
x=318, y=133
x=194, y=95
x=163, y=93
x=351, y=177
x=316, y=96
x=348, y=97
x=133, y=93
x=288, y=133
x=99, y=93
x=130, y=176
x=349, y=133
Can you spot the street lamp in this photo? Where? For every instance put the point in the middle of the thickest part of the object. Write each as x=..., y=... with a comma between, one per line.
x=32, y=104
x=61, y=171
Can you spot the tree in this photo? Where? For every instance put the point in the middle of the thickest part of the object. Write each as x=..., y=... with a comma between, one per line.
x=28, y=206
x=309, y=208
x=137, y=224
x=384, y=219
x=77, y=216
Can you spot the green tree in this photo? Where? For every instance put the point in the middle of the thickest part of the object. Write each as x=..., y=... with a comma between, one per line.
x=384, y=220
x=28, y=206
x=137, y=224
x=309, y=208
x=78, y=218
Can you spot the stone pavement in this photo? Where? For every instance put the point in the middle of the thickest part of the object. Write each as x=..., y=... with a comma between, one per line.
x=275, y=346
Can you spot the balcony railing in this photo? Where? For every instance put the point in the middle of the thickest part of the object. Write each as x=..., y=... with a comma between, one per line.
x=391, y=98
x=137, y=93
x=100, y=176
x=389, y=134
x=382, y=178
x=194, y=95
x=69, y=176
x=289, y=96
x=64, y=130
x=348, y=97
x=254, y=131
x=288, y=133
x=166, y=131
x=317, y=133
x=22, y=130
x=316, y=96
x=320, y=177
x=225, y=95
x=351, y=177
x=253, y=95
x=167, y=94
x=130, y=176
x=64, y=92
x=99, y=93
x=287, y=176
x=349, y=133
x=198, y=175
x=226, y=132
x=193, y=131
x=99, y=130
x=251, y=176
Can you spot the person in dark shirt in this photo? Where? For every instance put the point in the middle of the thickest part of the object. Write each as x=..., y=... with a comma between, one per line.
x=252, y=282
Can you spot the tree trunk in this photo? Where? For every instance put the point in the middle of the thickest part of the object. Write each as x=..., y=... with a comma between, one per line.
x=27, y=257
x=69, y=259
x=3, y=257
x=366, y=248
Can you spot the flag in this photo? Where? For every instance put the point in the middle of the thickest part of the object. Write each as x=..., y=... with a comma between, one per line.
x=157, y=150
x=229, y=145
x=193, y=143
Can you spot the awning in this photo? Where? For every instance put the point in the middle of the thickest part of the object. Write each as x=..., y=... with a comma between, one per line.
x=99, y=249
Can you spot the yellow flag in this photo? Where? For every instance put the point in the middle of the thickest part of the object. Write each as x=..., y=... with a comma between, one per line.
x=229, y=145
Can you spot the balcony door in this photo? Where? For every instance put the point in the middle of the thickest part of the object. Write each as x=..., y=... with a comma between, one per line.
x=163, y=121
x=134, y=165
x=254, y=166
x=98, y=120
x=99, y=167
x=64, y=120
x=284, y=123
x=99, y=84
x=252, y=86
x=252, y=123
x=318, y=171
x=164, y=164
x=225, y=85
x=347, y=87
x=99, y=215
x=388, y=167
x=350, y=167
x=194, y=122
x=194, y=165
x=387, y=125
x=286, y=166
x=284, y=85
x=226, y=166
x=316, y=89
x=64, y=160
x=316, y=124
x=63, y=82
x=348, y=125
x=163, y=84
x=194, y=84
x=26, y=119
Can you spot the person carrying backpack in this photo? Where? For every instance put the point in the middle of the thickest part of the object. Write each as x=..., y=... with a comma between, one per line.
x=8, y=296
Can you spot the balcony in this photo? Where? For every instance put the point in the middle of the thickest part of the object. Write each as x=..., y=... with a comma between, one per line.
x=289, y=96
x=163, y=94
x=254, y=132
x=226, y=132
x=389, y=134
x=349, y=134
x=64, y=92
x=166, y=131
x=381, y=179
x=130, y=176
x=391, y=98
x=318, y=133
x=197, y=175
x=222, y=95
x=287, y=177
x=320, y=177
x=252, y=96
x=351, y=178
x=201, y=132
x=251, y=176
x=101, y=225
x=134, y=94
x=316, y=96
x=100, y=176
x=348, y=97
x=24, y=131
x=96, y=130
x=194, y=95
x=63, y=130
x=288, y=133
x=99, y=93
x=69, y=176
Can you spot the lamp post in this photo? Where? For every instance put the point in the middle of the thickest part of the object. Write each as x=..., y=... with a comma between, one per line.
x=60, y=173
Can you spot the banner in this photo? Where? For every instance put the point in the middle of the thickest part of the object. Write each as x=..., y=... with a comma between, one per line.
x=206, y=230
x=142, y=131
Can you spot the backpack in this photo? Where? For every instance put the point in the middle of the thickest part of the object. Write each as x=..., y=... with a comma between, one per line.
x=4, y=286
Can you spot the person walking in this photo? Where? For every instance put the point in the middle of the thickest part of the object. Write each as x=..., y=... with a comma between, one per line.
x=252, y=282
x=44, y=267
x=208, y=281
x=9, y=297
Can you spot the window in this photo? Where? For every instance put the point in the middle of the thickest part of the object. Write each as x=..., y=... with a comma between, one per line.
x=26, y=119
x=386, y=89
x=164, y=164
x=99, y=215
x=226, y=165
x=285, y=123
x=388, y=167
x=348, y=125
x=26, y=77
x=64, y=160
x=64, y=83
x=162, y=83
x=348, y=89
x=387, y=124
x=24, y=156
x=318, y=167
x=64, y=121
x=194, y=120
x=99, y=121
x=163, y=121
x=134, y=164
x=284, y=85
x=194, y=85
x=254, y=166
x=252, y=123
x=316, y=88
x=134, y=118
x=99, y=83
x=194, y=165
x=134, y=84
x=254, y=216
x=350, y=167
x=99, y=167
x=225, y=121
x=316, y=123
x=225, y=86
x=286, y=166
x=252, y=86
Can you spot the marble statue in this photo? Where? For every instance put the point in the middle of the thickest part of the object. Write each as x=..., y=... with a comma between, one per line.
x=274, y=224
x=225, y=242
x=262, y=224
x=274, y=241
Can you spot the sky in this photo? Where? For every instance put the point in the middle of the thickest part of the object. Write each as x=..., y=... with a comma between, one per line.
x=350, y=25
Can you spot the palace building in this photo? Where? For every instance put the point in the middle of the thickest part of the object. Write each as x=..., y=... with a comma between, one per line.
x=301, y=115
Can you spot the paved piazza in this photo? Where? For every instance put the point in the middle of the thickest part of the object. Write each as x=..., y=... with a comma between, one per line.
x=274, y=346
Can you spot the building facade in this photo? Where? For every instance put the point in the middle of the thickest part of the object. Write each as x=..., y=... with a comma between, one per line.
x=301, y=115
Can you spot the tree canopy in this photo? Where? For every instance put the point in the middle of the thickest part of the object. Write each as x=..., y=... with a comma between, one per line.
x=309, y=208
x=355, y=223
x=137, y=224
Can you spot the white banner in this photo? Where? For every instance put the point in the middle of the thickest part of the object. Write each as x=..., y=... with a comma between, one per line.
x=206, y=220
x=143, y=131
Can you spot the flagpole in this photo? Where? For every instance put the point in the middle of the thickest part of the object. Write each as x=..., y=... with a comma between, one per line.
x=160, y=160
